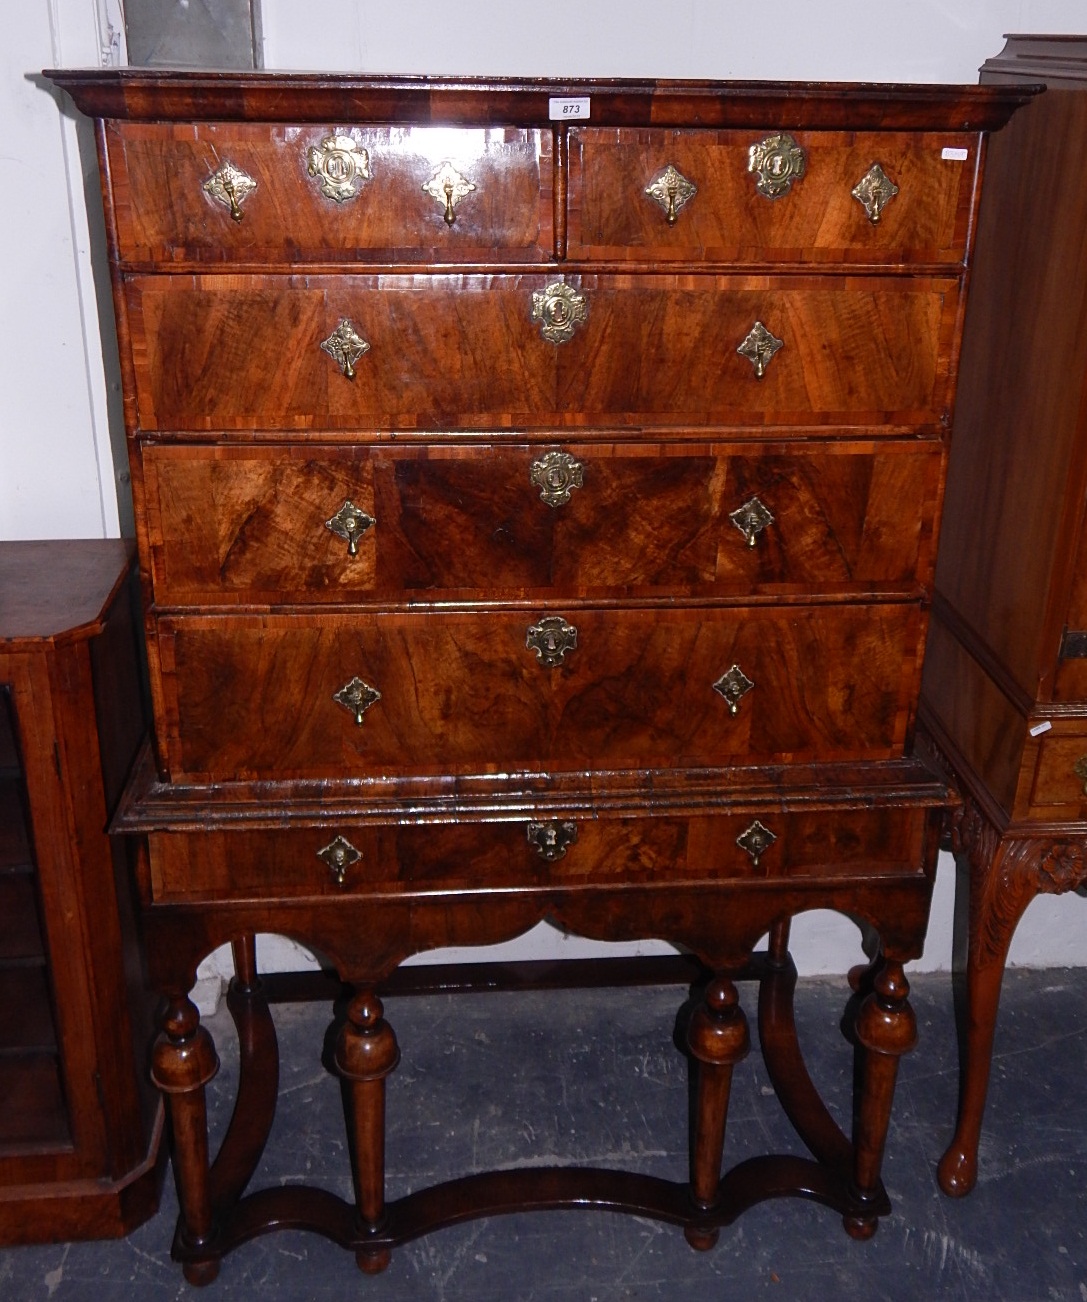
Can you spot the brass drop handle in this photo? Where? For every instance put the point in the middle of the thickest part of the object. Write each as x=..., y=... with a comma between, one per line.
x=751, y=519
x=448, y=187
x=339, y=854
x=345, y=346
x=1079, y=768
x=552, y=638
x=874, y=191
x=759, y=347
x=230, y=186
x=350, y=523
x=356, y=697
x=756, y=840
x=671, y=191
x=551, y=839
x=733, y=685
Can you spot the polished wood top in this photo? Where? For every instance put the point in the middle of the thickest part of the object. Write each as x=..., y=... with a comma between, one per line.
x=57, y=587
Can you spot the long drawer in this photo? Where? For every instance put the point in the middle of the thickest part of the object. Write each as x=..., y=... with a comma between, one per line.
x=534, y=690
x=448, y=352
x=356, y=858
x=271, y=525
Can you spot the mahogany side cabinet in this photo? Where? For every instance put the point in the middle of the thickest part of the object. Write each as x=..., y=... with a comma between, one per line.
x=80, y=1126
x=537, y=490
x=1005, y=684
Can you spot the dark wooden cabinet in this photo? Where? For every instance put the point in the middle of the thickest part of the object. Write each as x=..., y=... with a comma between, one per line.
x=80, y=1124
x=537, y=518
x=1005, y=684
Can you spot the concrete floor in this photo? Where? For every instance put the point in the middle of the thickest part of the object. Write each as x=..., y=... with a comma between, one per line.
x=593, y=1077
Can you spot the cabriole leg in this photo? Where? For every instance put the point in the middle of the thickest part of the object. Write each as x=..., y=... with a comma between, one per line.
x=366, y=1052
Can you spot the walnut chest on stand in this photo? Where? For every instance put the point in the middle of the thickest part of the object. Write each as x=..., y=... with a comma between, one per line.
x=537, y=488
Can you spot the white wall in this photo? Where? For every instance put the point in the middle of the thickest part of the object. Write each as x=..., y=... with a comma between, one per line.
x=57, y=474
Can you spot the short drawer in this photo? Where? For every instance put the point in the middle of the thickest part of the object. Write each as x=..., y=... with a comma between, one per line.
x=465, y=352
x=421, y=860
x=533, y=690
x=310, y=523
x=328, y=194
x=1058, y=790
x=698, y=196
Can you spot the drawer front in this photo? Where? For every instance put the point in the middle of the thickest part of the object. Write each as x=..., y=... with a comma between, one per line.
x=167, y=211
x=614, y=214
x=487, y=857
x=463, y=352
x=259, y=524
x=1058, y=790
x=465, y=693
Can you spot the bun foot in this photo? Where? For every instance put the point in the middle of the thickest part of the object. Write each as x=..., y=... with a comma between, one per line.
x=200, y=1273
x=957, y=1172
x=372, y=1261
x=701, y=1240
x=860, y=1227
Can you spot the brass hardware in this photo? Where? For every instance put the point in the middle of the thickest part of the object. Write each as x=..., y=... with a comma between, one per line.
x=345, y=346
x=350, y=523
x=759, y=348
x=874, y=191
x=733, y=685
x=356, y=697
x=449, y=188
x=756, y=840
x=340, y=166
x=339, y=854
x=1079, y=768
x=556, y=474
x=751, y=519
x=230, y=186
x=777, y=162
x=560, y=310
x=551, y=839
x=551, y=638
x=671, y=190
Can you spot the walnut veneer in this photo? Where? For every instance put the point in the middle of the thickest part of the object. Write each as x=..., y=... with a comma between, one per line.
x=1005, y=686
x=553, y=598
x=80, y=1126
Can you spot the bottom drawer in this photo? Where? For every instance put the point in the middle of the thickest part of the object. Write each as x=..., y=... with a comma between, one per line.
x=1059, y=785
x=551, y=853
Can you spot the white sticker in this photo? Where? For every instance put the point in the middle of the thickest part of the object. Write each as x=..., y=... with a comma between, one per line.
x=953, y=155
x=1039, y=728
x=568, y=110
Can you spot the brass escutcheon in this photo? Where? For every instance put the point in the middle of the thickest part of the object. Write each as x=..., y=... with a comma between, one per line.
x=671, y=191
x=756, y=840
x=733, y=685
x=1079, y=768
x=230, y=186
x=874, y=191
x=345, y=346
x=556, y=474
x=356, y=697
x=350, y=523
x=339, y=854
x=448, y=187
x=560, y=310
x=759, y=347
x=551, y=839
x=751, y=519
x=340, y=165
x=777, y=162
x=551, y=638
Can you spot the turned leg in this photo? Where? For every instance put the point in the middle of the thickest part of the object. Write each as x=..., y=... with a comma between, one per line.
x=718, y=1039
x=885, y=1029
x=366, y=1052
x=182, y=1063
